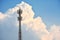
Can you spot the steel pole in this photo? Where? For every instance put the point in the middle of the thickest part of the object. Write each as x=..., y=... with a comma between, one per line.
x=20, y=18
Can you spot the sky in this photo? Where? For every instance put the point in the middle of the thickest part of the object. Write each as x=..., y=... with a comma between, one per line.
x=49, y=10
x=43, y=14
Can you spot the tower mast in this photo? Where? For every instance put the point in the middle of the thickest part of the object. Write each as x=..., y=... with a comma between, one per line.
x=19, y=18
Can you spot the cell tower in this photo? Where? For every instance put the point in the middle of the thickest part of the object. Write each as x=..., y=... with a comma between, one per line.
x=19, y=18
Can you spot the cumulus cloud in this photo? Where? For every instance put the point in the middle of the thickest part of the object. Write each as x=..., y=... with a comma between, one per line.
x=32, y=28
x=8, y=28
x=2, y=16
x=53, y=33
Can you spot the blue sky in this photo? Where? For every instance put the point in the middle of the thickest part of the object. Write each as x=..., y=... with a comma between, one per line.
x=32, y=28
x=49, y=10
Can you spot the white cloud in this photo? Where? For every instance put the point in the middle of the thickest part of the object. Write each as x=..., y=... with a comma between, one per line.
x=2, y=16
x=54, y=32
x=32, y=28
